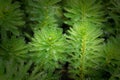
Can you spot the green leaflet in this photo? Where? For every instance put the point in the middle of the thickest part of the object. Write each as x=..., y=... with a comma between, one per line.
x=13, y=48
x=84, y=10
x=10, y=16
x=48, y=47
x=84, y=46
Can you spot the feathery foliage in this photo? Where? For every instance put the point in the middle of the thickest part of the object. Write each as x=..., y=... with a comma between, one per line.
x=13, y=48
x=111, y=57
x=89, y=51
x=86, y=17
x=43, y=12
x=48, y=47
x=12, y=70
x=10, y=16
x=114, y=12
x=111, y=26
x=84, y=46
x=84, y=10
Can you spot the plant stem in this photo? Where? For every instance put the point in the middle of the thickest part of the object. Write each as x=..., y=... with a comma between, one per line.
x=82, y=60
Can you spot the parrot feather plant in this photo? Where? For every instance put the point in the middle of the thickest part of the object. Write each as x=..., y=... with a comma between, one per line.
x=83, y=10
x=84, y=46
x=111, y=58
x=85, y=17
x=11, y=17
x=48, y=45
x=14, y=47
x=20, y=70
x=35, y=45
x=43, y=12
x=10, y=70
x=112, y=15
x=47, y=48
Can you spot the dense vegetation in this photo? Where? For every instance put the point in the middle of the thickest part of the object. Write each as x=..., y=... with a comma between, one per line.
x=59, y=39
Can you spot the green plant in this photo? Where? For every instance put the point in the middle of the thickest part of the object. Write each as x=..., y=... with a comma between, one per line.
x=111, y=26
x=84, y=10
x=48, y=47
x=85, y=17
x=111, y=59
x=11, y=17
x=84, y=46
x=114, y=12
x=12, y=70
x=43, y=13
x=13, y=48
x=57, y=39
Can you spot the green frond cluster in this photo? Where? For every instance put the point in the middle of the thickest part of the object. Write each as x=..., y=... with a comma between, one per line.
x=59, y=39
x=48, y=46
x=10, y=16
x=84, y=11
x=111, y=26
x=111, y=57
x=13, y=48
x=10, y=70
x=84, y=46
x=114, y=13
x=43, y=12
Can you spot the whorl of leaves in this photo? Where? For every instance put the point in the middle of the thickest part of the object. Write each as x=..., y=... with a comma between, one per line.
x=48, y=46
